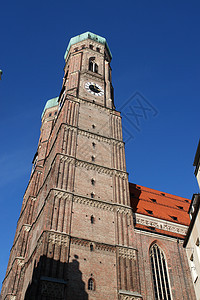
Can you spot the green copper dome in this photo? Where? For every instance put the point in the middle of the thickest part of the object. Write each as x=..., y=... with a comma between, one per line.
x=85, y=36
x=50, y=103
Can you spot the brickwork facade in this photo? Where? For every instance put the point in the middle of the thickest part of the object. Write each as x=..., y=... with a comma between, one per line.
x=76, y=236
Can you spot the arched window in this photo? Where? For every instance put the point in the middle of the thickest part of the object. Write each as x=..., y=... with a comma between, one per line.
x=91, y=284
x=159, y=273
x=92, y=65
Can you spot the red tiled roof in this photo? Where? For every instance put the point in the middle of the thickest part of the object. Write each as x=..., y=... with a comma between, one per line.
x=157, y=204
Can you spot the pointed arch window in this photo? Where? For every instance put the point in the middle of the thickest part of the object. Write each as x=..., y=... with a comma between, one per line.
x=159, y=273
x=92, y=65
x=91, y=284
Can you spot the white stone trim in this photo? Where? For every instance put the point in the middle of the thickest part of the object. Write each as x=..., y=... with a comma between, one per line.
x=160, y=224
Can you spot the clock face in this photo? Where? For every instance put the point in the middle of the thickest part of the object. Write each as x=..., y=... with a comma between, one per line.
x=94, y=89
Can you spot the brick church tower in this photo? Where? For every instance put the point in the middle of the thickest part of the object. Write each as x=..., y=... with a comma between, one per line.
x=74, y=230
x=79, y=234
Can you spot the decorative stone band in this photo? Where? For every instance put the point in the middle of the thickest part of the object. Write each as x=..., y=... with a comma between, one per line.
x=124, y=210
x=101, y=204
x=67, y=159
x=59, y=239
x=20, y=261
x=100, y=138
x=93, y=203
x=128, y=295
x=160, y=224
x=89, y=103
x=62, y=239
x=101, y=169
x=9, y=297
x=104, y=247
x=125, y=252
x=104, y=205
x=97, y=246
x=90, y=166
x=27, y=227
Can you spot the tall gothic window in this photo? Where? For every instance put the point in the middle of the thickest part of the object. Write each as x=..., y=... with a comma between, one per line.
x=159, y=273
x=92, y=65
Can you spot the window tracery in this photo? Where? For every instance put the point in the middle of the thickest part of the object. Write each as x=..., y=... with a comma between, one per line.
x=159, y=273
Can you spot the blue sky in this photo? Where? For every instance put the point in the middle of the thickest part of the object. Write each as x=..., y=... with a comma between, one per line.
x=155, y=47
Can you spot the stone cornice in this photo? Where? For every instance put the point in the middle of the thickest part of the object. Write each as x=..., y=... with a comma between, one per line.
x=101, y=138
x=104, y=205
x=160, y=224
x=91, y=166
x=63, y=239
x=97, y=136
x=73, y=98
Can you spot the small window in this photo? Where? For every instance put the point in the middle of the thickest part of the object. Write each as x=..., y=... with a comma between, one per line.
x=83, y=47
x=76, y=49
x=93, y=126
x=163, y=194
x=153, y=200
x=93, y=158
x=92, y=195
x=93, y=145
x=55, y=113
x=91, y=284
x=92, y=219
x=173, y=218
x=91, y=47
x=92, y=181
x=50, y=115
x=150, y=212
x=98, y=49
x=180, y=207
x=91, y=247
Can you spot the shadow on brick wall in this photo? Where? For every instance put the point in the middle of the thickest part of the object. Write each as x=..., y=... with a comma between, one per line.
x=54, y=280
x=134, y=196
